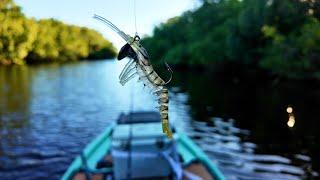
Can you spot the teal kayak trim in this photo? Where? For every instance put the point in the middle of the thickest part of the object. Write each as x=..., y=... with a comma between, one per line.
x=190, y=152
x=93, y=152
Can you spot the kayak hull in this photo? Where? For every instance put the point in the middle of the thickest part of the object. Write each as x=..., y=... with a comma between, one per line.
x=96, y=150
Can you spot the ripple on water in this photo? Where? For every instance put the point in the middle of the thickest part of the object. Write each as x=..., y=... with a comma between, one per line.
x=48, y=117
x=225, y=145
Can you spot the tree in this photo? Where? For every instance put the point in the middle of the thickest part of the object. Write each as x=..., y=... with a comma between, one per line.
x=296, y=55
x=16, y=34
x=27, y=40
x=279, y=36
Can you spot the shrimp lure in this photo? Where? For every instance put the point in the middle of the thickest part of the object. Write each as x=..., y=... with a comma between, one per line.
x=139, y=65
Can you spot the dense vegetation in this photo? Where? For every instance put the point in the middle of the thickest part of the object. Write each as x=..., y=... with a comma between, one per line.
x=24, y=40
x=277, y=36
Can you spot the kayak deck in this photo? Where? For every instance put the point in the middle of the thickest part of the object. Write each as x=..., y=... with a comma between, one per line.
x=195, y=168
x=192, y=158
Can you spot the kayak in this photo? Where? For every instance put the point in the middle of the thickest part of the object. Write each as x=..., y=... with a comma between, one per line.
x=134, y=147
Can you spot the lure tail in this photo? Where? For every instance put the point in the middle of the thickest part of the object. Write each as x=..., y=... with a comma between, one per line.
x=163, y=100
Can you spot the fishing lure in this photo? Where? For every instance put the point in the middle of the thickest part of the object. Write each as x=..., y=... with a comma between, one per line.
x=139, y=65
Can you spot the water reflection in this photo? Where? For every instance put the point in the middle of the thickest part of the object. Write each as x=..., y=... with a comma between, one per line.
x=14, y=111
x=291, y=120
x=237, y=158
x=48, y=113
x=14, y=95
x=257, y=104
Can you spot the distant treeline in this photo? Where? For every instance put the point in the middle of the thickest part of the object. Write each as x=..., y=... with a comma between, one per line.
x=24, y=40
x=278, y=36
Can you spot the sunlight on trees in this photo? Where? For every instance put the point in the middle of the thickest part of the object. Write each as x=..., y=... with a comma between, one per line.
x=24, y=40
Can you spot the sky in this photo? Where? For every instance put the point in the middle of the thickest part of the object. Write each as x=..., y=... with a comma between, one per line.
x=120, y=12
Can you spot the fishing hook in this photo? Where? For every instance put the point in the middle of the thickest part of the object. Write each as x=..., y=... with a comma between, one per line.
x=171, y=72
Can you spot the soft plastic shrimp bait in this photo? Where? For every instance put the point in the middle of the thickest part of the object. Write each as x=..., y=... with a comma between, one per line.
x=139, y=65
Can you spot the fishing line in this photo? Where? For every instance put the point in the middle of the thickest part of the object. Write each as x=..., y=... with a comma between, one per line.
x=130, y=133
x=135, y=16
x=129, y=168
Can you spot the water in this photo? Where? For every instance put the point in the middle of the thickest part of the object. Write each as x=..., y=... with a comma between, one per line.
x=48, y=114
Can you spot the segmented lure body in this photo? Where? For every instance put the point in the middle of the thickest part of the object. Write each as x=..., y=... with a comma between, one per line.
x=139, y=65
x=150, y=79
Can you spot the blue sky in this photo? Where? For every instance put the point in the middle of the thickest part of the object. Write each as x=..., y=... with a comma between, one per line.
x=149, y=13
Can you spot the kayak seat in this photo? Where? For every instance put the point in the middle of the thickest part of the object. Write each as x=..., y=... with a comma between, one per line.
x=198, y=169
x=89, y=174
x=86, y=173
x=83, y=176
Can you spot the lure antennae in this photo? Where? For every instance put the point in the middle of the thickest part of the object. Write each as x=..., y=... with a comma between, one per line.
x=112, y=26
x=170, y=71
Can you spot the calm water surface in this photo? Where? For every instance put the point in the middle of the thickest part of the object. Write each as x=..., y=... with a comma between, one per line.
x=48, y=113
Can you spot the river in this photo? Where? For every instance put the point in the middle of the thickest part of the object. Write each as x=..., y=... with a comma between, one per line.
x=48, y=113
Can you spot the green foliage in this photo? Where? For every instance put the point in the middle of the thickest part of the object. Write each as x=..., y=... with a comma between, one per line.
x=195, y=37
x=295, y=55
x=47, y=40
x=60, y=42
x=277, y=35
x=16, y=34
